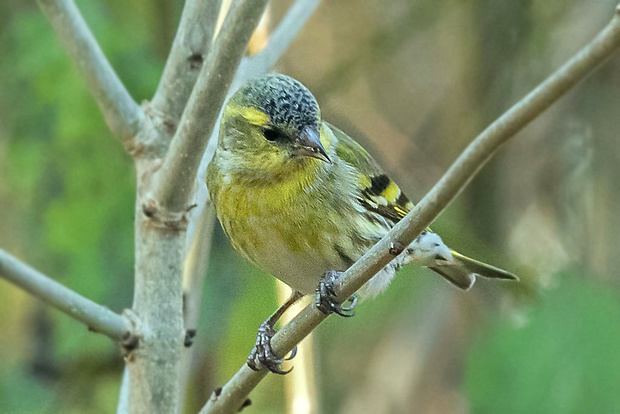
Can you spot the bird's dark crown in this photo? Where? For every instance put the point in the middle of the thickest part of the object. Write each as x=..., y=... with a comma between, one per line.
x=289, y=104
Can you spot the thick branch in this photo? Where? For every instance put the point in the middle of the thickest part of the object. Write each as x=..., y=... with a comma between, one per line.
x=97, y=317
x=455, y=179
x=121, y=113
x=191, y=44
x=178, y=173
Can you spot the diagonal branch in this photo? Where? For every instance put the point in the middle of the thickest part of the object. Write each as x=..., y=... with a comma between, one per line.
x=178, y=173
x=284, y=34
x=295, y=19
x=191, y=44
x=253, y=66
x=449, y=186
x=121, y=113
x=97, y=317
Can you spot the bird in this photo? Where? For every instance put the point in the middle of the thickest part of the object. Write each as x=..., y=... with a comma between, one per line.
x=303, y=201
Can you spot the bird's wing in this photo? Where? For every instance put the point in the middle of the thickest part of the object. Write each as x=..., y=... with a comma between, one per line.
x=382, y=196
x=377, y=193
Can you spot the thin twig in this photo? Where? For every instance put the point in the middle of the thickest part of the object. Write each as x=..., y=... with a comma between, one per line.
x=98, y=318
x=194, y=271
x=121, y=112
x=122, y=407
x=449, y=186
x=178, y=173
x=189, y=49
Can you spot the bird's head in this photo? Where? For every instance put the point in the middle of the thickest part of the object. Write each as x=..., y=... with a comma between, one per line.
x=273, y=123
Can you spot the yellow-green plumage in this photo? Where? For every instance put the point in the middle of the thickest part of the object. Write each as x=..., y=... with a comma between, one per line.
x=296, y=206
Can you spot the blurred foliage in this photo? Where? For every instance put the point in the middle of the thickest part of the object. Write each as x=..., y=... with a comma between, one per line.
x=414, y=81
x=563, y=359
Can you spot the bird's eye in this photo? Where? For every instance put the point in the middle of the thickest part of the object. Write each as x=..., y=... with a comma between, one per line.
x=272, y=134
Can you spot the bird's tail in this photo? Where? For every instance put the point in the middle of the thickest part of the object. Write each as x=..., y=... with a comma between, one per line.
x=462, y=271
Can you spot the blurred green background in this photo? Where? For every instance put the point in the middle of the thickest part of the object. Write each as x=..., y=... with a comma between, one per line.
x=415, y=82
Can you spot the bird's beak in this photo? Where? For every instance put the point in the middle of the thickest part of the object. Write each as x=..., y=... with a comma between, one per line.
x=310, y=145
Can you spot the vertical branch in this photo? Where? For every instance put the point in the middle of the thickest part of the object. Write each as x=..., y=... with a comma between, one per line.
x=122, y=407
x=194, y=272
x=300, y=383
x=151, y=381
x=189, y=49
x=155, y=367
x=287, y=30
x=178, y=172
x=121, y=113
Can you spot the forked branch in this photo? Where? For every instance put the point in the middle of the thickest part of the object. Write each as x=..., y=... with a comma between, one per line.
x=178, y=173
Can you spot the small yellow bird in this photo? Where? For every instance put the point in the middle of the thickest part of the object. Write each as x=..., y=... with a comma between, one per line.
x=301, y=199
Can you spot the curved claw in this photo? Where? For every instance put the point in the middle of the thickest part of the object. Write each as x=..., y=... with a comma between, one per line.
x=338, y=309
x=352, y=304
x=292, y=355
x=277, y=370
x=262, y=353
x=326, y=300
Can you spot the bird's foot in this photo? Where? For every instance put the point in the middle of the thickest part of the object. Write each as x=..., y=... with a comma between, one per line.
x=326, y=300
x=262, y=353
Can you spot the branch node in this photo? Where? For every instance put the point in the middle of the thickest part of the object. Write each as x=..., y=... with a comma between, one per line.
x=133, y=147
x=159, y=118
x=150, y=209
x=161, y=218
x=130, y=343
x=396, y=248
x=246, y=403
x=195, y=61
x=190, y=334
x=131, y=339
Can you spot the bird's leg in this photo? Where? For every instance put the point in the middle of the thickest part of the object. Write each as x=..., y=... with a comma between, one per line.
x=262, y=352
x=326, y=300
